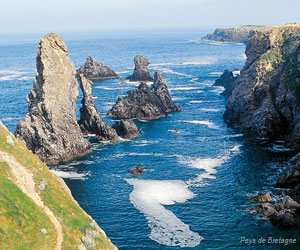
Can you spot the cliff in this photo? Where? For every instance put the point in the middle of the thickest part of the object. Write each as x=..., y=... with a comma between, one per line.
x=37, y=208
x=238, y=35
x=265, y=101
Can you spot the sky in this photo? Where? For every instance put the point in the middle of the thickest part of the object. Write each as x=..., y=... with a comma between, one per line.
x=33, y=16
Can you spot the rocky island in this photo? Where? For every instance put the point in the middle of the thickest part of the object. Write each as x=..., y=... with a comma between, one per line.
x=50, y=129
x=226, y=80
x=237, y=35
x=92, y=69
x=141, y=71
x=145, y=103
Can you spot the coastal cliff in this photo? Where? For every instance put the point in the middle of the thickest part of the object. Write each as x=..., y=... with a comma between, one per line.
x=237, y=35
x=37, y=208
x=265, y=101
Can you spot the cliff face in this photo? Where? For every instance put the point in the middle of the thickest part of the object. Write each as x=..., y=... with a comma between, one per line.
x=37, y=208
x=238, y=35
x=50, y=127
x=265, y=101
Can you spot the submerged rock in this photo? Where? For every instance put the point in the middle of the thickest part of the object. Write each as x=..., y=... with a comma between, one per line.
x=126, y=129
x=137, y=170
x=141, y=71
x=93, y=69
x=50, y=128
x=226, y=80
x=145, y=103
x=90, y=120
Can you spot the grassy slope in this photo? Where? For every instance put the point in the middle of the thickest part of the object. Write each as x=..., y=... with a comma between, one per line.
x=16, y=207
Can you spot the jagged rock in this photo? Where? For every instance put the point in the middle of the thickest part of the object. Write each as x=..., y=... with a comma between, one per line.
x=226, y=80
x=284, y=219
x=262, y=198
x=265, y=210
x=290, y=177
x=126, y=129
x=145, y=103
x=265, y=98
x=238, y=35
x=92, y=69
x=295, y=193
x=137, y=170
x=287, y=203
x=90, y=120
x=50, y=128
x=141, y=71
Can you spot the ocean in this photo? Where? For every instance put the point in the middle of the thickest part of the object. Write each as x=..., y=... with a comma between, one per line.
x=195, y=193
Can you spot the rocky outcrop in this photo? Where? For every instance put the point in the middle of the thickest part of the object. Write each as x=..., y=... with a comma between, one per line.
x=93, y=69
x=50, y=128
x=238, y=35
x=145, y=103
x=141, y=71
x=265, y=98
x=262, y=198
x=282, y=213
x=137, y=170
x=226, y=80
x=90, y=121
x=126, y=129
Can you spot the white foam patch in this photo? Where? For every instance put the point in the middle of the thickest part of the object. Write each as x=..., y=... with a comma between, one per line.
x=150, y=196
x=108, y=88
x=194, y=79
x=196, y=101
x=136, y=84
x=123, y=72
x=218, y=89
x=170, y=71
x=216, y=73
x=8, y=75
x=11, y=118
x=70, y=175
x=137, y=154
x=203, y=122
x=210, y=110
x=218, y=43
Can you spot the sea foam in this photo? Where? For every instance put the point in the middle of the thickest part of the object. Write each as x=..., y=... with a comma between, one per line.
x=150, y=196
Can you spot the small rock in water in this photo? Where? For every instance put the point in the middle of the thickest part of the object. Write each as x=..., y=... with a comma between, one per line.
x=137, y=170
x=44, y=231
x=262, y=198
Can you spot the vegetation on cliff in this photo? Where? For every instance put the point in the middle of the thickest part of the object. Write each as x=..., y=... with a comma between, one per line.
x=37, y=210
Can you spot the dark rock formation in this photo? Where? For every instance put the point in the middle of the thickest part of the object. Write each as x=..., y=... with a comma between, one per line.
x=90, y=120
x=137, y=170
x=226, y=80
x=50, y=128
x=282, y=213
x=262, y=198
x=126, y=129
x=141, y=71
x=290, y=177
x=145, y=103
x=93, y=69
x=238, y=35
x=265, y=99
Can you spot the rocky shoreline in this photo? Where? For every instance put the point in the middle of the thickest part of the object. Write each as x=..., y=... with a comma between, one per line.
x=264, y=103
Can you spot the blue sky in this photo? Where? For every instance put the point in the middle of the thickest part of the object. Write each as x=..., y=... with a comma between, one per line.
x=76, y=15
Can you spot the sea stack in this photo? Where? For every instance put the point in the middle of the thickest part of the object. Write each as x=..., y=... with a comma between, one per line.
x=50, y=129
x=92, y=69
x=141, y=71
x=226, y=80
x=145, y=103
x=90, y=120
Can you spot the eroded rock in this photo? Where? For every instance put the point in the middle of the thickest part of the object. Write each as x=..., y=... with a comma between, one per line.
x=126, y=129
x=50, y=128
x=141, y=71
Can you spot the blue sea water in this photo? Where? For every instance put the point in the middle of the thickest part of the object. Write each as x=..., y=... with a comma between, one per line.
x=195, y=192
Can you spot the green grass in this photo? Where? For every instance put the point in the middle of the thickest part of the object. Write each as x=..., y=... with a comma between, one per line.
x=73, y=219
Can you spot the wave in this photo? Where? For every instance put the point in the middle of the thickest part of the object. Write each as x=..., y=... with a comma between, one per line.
x=182, y=88
x=9, y=75
x=136, y=84
x=206, y=60
x=109, y=88
x=210, y=110
x=123, y=72
x=203, y=122
x=11, y=118
x=143, y=143
x=166, y=228
x=196, y=101
x=70, y=175
x=216, y=73
x=170, y=71
x=136, y=154
x=194, y=79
